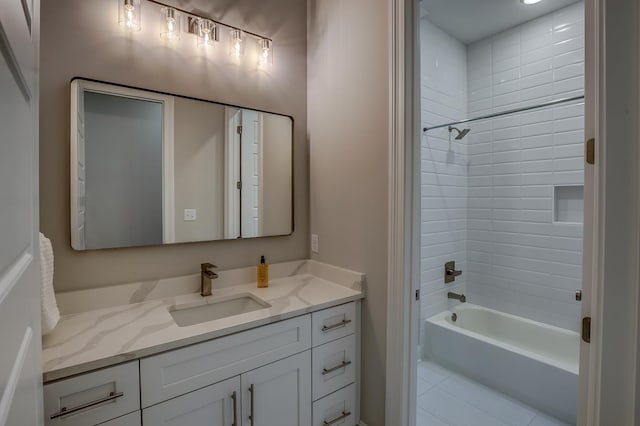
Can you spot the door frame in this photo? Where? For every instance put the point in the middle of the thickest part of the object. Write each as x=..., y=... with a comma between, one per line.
x=598, y=399
x=78, y=86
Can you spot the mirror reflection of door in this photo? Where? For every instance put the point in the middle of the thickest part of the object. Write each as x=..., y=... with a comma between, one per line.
x=251, y=173
x=244, y=173
x=233, y=124
x=122, y=177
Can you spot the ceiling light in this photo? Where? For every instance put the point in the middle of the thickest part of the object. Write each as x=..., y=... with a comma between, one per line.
x=530, y=1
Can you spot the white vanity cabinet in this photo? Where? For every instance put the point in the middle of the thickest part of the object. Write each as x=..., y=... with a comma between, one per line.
x=296, y=372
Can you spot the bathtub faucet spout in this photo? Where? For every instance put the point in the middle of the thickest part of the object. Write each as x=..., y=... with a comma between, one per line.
x=461, y=297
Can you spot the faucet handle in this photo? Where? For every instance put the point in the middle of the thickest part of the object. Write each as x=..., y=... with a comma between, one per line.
x=206, y=266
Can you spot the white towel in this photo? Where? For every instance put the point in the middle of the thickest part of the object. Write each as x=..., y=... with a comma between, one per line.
x=48, y=305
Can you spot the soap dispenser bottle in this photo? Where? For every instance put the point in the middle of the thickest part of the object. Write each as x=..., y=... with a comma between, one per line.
x=263, y=273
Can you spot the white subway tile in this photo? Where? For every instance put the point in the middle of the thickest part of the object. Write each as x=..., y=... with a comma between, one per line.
x=487, y=200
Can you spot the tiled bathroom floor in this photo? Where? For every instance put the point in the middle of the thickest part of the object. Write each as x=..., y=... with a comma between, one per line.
x=446, y=398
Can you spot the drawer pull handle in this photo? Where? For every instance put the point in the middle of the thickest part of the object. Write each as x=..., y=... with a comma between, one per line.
x=343, y=364
x=251, y=391
x=234, y=397
x=342, y=416
x=342, y=323
x=64, y=411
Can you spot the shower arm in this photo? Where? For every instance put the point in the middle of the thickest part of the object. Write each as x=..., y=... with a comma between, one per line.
x=512, y=111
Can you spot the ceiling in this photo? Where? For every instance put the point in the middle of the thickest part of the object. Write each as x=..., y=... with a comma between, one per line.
x=473, y=20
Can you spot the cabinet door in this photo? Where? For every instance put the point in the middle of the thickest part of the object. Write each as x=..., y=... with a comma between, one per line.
x=215, y=405
x=278, y=394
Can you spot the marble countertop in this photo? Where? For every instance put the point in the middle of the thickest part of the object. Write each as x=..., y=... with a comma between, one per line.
x=86, y=341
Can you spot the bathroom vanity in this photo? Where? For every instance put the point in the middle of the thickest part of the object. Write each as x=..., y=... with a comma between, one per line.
x=294, y=360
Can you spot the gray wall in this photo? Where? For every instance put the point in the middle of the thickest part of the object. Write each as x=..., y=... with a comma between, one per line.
x=276, y=148
x=123, y=157
x=348, y=88
x=199, y=169
x=82, y=38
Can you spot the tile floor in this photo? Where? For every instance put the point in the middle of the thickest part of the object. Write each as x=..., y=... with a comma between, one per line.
x=446, y=398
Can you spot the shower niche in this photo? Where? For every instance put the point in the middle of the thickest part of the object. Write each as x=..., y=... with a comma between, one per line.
x=568, y=204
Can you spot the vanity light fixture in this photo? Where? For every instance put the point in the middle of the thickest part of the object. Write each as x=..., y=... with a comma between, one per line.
x=265, y=52
x=170, y=24
x=129, y=14
x=528, y=2
x=236, y=43
x=207, y=32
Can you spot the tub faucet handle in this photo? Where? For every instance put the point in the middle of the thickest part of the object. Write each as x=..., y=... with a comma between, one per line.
x=450, y=272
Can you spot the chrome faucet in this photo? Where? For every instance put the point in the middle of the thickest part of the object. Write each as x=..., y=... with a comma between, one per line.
x=206, y=278
x=461, y=297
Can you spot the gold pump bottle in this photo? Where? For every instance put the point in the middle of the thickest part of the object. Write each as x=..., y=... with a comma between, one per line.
x=263, y=273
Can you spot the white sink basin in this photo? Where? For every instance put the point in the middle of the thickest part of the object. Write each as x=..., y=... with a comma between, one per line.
x=213, y=309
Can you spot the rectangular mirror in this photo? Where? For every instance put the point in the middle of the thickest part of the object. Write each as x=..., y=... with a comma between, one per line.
x=150, y=168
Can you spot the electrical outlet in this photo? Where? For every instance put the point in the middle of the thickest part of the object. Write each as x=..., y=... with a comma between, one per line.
x=314, y=243
x=190, y=215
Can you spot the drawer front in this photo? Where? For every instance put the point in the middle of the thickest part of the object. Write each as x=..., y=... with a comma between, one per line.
x=93, y=398
x=184, y=370
x=132, y=419
x=333, y=323
x=215, y=405
x=337, y=409
x=334, y=366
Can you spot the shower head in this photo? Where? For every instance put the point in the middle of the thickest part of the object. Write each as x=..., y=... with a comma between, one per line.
x=461, y=133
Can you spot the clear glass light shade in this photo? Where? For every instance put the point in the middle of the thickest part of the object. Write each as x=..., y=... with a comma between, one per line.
x=170, y=20
x=236, y=44
x=265, y=52
x=207, y=32
x=129, y=14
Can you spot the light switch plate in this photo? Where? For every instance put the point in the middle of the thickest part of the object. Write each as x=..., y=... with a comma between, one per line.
x=314, y=243
x=190, y=215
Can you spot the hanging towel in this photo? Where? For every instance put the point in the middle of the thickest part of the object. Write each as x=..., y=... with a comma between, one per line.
x=48, y=305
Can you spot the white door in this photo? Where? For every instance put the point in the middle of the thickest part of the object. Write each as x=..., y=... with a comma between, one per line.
x=251, y=167
x=278, y=394
x=215, y=405
x=20, y=352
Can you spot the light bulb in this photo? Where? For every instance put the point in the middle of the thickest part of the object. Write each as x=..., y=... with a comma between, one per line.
x=169, y=24
x=129, y=14
x=207, y=32
x=266, y=52
x=236, y=46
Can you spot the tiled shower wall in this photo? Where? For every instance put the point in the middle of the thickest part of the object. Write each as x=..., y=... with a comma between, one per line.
x=519, y=259
x=487, y=201
x=444, y=165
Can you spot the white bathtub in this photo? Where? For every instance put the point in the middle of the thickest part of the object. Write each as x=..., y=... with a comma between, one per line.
x=533, y=362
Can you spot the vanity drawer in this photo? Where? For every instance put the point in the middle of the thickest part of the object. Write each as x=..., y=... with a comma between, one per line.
x=184, y=370
x=93, y=398
x=333, y=366
x=337, y=409
x=333, y=323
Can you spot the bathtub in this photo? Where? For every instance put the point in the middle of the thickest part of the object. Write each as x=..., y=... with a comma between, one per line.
x=530, y=361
